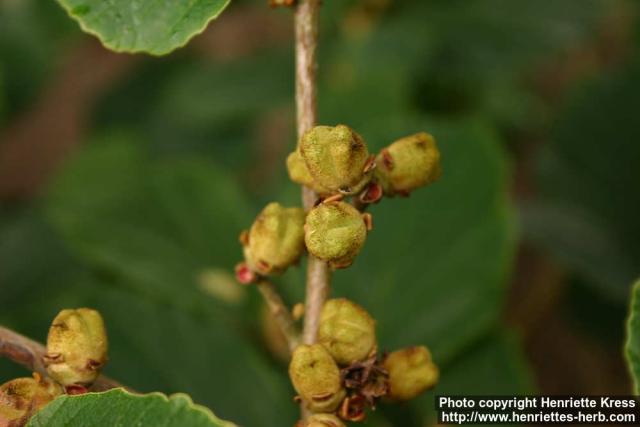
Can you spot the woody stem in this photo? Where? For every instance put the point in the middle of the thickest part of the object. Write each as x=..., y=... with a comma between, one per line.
x=306, y=42
x=306, y=39
x=29, y=353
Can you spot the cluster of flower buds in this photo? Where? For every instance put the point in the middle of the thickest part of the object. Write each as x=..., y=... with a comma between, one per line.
x=335, y=160
x=342, y=375
x=333, y=231
x=76, y=351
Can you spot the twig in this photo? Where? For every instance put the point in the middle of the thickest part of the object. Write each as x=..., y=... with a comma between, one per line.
x=28, y=353
x=318, y=273
x=280, y=313
x=306, y=28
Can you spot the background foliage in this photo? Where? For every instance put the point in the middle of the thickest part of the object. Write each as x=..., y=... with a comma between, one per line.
x=527, y=244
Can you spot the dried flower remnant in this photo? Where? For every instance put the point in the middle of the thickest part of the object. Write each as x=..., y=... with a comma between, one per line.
x=76, y=347
x=367, y=378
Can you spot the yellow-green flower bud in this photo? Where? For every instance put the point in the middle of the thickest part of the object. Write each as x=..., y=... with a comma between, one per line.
x=411, y=371
x=324, y=420
x=299, y=173
x=22, y=397
x=316, y=378
x=336, y=157
x=347, y=331
x=276, y=239
x=335, y=232
x=76, y=347
x=408, y=163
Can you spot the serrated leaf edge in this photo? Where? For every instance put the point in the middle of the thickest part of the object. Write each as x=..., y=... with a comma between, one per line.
x=167, y=398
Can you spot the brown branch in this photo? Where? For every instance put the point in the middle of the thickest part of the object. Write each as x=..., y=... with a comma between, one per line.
x=306, y=28
x=280, y=313
x=318, y=273
x=29, y=353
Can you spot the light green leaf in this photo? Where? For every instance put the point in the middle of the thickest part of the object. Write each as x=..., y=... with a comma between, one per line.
x=632, y=348
x=144, y=25
x=118, y=407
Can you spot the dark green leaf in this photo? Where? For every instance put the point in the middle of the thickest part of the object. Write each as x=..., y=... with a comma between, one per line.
x=144, y=25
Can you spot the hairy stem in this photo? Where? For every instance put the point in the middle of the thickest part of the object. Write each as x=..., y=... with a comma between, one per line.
x=280, y=313
x=29, y=353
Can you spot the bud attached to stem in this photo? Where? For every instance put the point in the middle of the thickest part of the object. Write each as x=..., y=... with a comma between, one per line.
x=299, y=173
x=347, y=331
x=76, y=347
x=22, y=397
x=276, y=239
x=337, y=158
x=316, y=378
x=335, y=232
x=407, y=164
x=411, y=372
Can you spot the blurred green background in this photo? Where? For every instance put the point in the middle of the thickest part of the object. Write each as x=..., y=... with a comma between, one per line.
x=125, y=180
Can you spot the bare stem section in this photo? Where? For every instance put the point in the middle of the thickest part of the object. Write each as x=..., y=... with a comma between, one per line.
x=280, y=313
x=306, y=28
x=28, y=353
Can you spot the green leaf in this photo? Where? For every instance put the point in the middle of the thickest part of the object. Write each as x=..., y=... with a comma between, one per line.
x=122, y=408
x=632, y=347
x=156, y=223
x=144, y=25
x=588, y=204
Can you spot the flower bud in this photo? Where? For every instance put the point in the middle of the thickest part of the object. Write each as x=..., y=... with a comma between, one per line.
x=22, y=397
x=408, y=163
x=336, y=157
x=276, y=239
x=347, y=331
x=411, y=371
x=335, y=232
x=324, y=420
x=316, y=378
x=299, y=174
x=76, y=347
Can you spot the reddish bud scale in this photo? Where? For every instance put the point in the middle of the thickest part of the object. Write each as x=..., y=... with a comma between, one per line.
x=244, y=275
x=372, y=194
